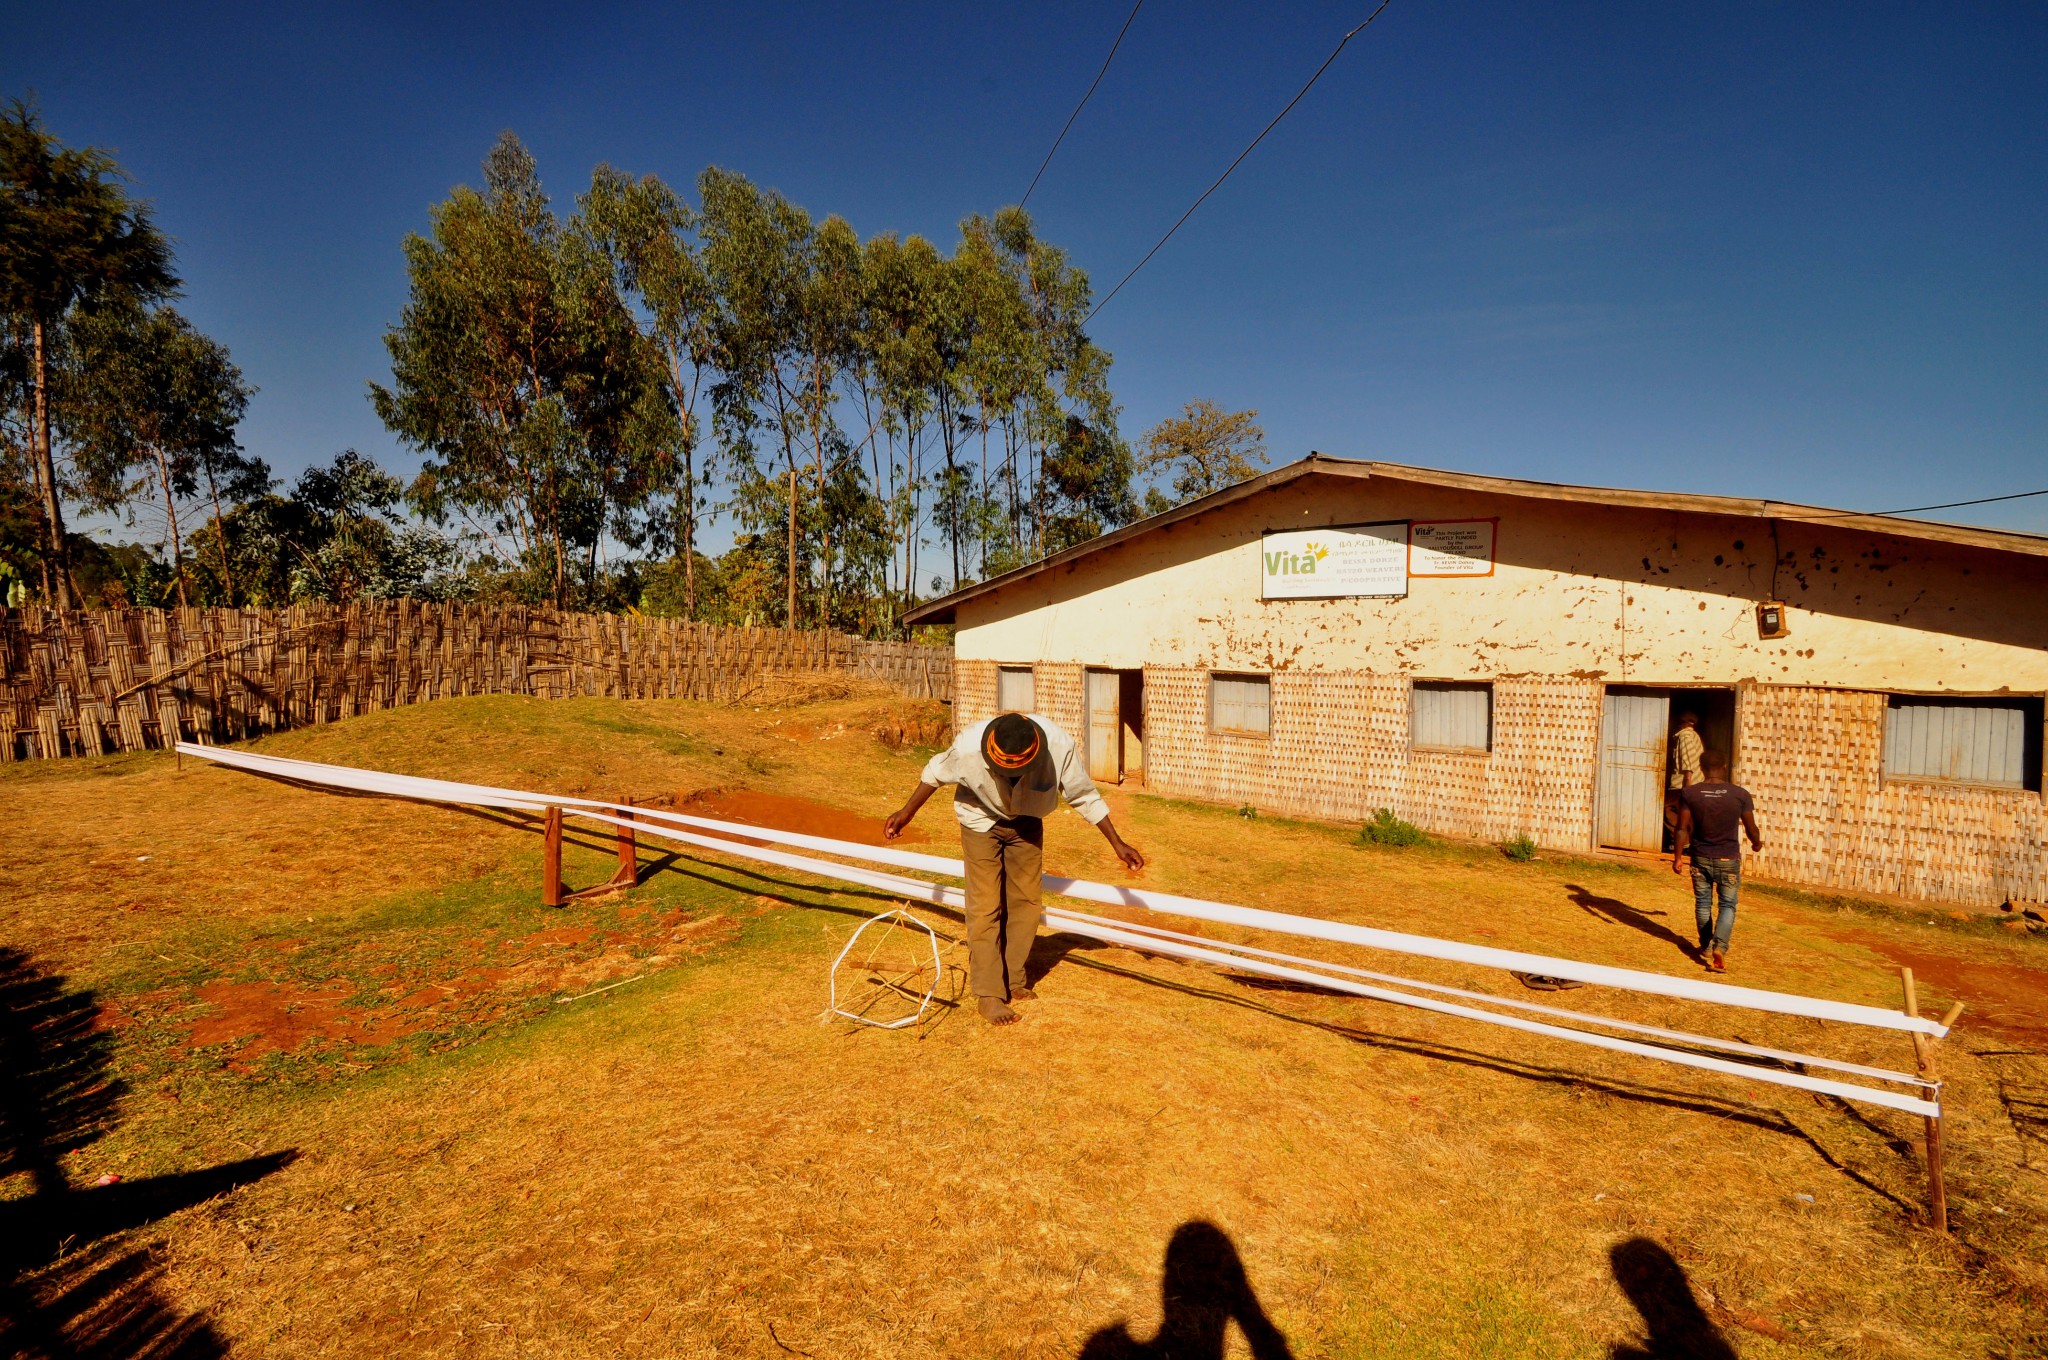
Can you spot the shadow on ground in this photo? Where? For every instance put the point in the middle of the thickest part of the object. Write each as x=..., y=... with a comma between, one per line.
x=1203, y=1289
x=1675, y=1327
x=1635, y=918
x=69, y=1287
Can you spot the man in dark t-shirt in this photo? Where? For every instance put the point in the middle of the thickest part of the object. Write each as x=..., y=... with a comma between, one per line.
x=1711, y=816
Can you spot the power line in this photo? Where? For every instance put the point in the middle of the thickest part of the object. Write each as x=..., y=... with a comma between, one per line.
x=1084, y=100
x=1240, y=158
x=1945, y=505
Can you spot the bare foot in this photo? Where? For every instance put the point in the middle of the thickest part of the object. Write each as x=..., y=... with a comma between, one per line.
x=1023, y=994
x=996, y=1013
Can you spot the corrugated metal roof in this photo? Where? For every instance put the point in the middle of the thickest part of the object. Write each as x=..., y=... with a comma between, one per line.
x=1323, y=465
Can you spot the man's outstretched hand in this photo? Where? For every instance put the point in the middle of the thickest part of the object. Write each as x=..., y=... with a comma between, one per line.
x=900, y=818
x=1121, y=848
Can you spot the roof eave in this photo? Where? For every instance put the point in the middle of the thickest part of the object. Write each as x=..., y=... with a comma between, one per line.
x=942, y=610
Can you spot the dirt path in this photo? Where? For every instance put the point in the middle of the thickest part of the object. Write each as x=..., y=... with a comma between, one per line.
x=2004, y=1000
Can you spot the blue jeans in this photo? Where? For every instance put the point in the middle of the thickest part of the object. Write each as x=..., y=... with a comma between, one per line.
x=1710, y=876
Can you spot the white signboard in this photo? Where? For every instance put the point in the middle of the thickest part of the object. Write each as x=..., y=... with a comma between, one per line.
x=1451, y=547
x=1345, y=559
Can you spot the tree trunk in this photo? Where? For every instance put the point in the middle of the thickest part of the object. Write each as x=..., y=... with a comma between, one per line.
x=57, y=586
x=688, y=505
x=789, y=613
x=220, y=534
x=818, y=443
x=163, y=469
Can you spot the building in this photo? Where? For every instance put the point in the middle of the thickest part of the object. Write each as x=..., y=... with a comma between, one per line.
x=1490, y=657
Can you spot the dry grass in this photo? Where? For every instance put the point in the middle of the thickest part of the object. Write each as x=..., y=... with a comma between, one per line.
x=681, y=1164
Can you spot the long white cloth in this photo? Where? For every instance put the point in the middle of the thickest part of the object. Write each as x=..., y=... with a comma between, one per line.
x=686, y=829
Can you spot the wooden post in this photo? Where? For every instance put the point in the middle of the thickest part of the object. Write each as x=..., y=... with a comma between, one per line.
x=629, y=850
x=551, y=867
x=1923, y=1054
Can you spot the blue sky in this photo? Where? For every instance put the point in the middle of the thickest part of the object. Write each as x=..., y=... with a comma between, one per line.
x=1761, y=249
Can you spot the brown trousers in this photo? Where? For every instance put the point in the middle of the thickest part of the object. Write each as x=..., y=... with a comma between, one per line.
x=1004, y=906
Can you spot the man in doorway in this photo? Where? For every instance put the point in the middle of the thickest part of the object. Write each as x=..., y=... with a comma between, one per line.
x=1008, y=773
x=1685, y=766
x=1711, y=813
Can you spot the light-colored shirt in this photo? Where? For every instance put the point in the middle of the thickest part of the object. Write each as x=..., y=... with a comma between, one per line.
x=1685, y=757
x=983, y=795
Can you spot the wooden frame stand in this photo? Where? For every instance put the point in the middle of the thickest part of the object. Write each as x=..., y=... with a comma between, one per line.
x=627, y=876
x=1923, y=1055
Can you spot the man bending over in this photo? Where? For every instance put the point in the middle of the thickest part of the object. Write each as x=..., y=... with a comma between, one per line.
x=1007, y=773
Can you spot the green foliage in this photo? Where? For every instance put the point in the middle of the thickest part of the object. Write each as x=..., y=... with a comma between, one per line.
x=576, y=383
x=150, y=419
x=1521, y=849
x=1248, y=812
x=1205, y=449
x=519, y=373
x=70, y=235
x=1384, y=828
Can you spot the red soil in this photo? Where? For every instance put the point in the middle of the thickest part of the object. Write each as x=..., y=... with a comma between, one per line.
x=481, y=981
x=783, y=812
x=2002, y=1000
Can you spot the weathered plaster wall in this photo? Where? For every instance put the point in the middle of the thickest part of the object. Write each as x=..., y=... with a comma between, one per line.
x=1600, y=593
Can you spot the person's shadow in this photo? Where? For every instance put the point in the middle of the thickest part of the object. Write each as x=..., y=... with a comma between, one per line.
x=68, y=1286
x=1204, y=1289
x=1675, y=1327
x=1621, y=913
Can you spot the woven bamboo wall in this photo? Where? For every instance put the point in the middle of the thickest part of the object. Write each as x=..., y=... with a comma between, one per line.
x=974, y=692
x=1339, y=749
x=1814, y=761
x=1059, y=695
x=134, y=679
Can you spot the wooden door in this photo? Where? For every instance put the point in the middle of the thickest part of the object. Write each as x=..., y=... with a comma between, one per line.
x=1633, y=734
x=1105, y=726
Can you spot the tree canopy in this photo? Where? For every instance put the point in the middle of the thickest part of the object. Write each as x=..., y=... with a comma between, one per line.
x=586, y=386
x=1205, y=448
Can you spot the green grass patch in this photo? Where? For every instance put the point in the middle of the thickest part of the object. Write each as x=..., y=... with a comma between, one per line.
x=1384, y=828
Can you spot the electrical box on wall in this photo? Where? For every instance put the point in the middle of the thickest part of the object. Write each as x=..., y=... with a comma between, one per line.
x=1770, y=619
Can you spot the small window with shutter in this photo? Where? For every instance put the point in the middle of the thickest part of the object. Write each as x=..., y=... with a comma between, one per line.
x=1241, y=705
x=1015, y=690
x=1451, y=716
x=1991, y=742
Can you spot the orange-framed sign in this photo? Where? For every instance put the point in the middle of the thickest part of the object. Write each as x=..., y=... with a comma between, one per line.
x=1451, y=547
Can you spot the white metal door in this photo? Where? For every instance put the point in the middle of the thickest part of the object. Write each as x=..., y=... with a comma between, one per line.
x=1633, y=728
x=1103, y=727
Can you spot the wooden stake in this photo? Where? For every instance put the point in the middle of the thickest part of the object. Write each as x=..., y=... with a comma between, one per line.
x=551, y=865
x=1923, y=1054
x=629, y=850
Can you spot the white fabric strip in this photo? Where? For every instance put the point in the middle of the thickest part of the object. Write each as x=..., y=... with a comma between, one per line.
x=1146, y=938
x=1628, y=979
x=1515, y=1003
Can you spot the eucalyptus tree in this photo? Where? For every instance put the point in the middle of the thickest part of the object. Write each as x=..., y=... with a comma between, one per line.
x=897, y=371
x=648, y=233
x=69, y=233
x=150, y=417
x=519, y=372
x=831, y=318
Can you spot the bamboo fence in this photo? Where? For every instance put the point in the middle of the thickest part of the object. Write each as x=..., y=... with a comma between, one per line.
x=90, y=683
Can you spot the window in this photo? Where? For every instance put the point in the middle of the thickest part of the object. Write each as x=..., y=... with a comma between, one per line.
x=1451, y=716
x=1015, y=690
x=1241, y=705
x=1996, y=742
